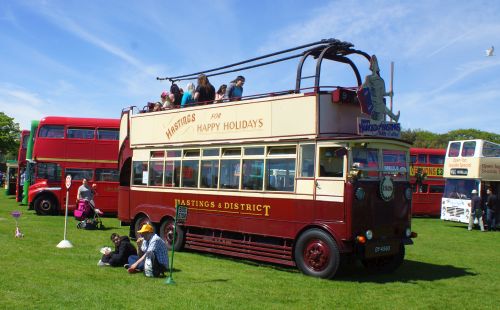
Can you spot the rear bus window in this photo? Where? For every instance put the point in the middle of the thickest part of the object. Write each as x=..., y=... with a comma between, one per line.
x=436, y=159
x=51, y=131
x=106, y=175
x=108, y=134
x=81, y=133
x=80, y=174
x=454, y=149
x=468, y=149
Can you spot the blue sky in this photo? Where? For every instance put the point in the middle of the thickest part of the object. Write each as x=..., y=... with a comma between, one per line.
x=93, y=58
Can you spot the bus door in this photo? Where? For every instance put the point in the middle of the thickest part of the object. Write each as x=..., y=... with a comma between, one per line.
x=331, y=170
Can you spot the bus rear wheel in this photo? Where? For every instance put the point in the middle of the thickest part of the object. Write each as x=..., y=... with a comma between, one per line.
x=45, y=205
x=385, y=264
x=167, y=234
x=317, y=254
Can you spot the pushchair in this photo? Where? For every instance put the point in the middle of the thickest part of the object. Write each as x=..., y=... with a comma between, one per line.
x=87, y=215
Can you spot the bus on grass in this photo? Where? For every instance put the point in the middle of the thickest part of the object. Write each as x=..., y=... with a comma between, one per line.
x=469, y=164
x=80, y=147
x=284, y=177
x=21, y=164
x=426, y=178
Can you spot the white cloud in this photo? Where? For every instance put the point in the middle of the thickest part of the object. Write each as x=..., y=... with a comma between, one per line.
x=70, y=25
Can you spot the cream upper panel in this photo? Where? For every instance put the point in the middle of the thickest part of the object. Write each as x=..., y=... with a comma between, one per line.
x=284, y=116
x=485, y=168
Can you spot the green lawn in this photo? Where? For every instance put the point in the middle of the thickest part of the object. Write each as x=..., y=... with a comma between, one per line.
x=448, y=267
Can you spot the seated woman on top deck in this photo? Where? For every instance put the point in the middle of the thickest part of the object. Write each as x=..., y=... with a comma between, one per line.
x=204, y=91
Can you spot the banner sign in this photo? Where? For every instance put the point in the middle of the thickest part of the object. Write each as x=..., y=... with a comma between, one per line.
x=368, y=127
x=429, y=171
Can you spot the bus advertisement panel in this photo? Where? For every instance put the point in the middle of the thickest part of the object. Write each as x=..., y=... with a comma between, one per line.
x=80, y=147
x=426, y=177
x=469, y=165
x=283, y=177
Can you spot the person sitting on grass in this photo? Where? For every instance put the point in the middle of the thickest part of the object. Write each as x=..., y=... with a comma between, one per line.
x=123, y=249
x=153, y=254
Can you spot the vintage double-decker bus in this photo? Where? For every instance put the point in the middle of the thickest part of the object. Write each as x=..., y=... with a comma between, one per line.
x=21, y=164
x=426, y=178
x=469, y=165
x=283, y=178
x=80, y=147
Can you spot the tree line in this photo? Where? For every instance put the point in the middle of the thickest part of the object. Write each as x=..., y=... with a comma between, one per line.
x=426, y=139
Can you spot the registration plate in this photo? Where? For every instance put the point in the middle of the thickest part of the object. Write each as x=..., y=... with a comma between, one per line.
x=381, y=249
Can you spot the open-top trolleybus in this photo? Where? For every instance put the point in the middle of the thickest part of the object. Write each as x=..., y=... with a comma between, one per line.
x=295, y=177
x=469, y=165
x=426, y=178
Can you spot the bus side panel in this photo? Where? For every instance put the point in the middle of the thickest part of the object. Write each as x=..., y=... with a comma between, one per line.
x=277, y=217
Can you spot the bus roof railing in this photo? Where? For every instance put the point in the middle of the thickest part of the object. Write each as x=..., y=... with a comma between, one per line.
x=332, y=49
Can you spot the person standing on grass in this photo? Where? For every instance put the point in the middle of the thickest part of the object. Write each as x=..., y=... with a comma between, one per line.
x=123, y=249
x=86, y=192
x=491, y=211
x=476, y=210
x=153, y=254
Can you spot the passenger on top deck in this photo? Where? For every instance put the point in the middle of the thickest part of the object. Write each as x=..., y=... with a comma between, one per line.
x=176, y=94
x=235, y=90
x=377, y=92
x=167, y=100
x=188, y=96
x=204, y=91
x=220, y=95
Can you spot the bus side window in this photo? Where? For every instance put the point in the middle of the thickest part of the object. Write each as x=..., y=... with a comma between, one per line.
x=331, y=161
x=307, y=160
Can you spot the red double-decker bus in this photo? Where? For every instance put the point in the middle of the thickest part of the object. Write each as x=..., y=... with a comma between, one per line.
x=80, y=147
x=426, y=177
x=295, y=177
x=21, y=164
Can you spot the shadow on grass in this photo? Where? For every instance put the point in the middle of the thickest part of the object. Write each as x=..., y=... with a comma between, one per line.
x=410, y=271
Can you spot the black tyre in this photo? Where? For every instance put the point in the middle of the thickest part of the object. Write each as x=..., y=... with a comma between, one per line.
x=167, y=234
x=45, y=205
x=385, y=264
x=317, y=254
x=141, y=220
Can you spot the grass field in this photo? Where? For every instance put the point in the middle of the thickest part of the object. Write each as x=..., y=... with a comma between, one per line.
x=448, y=267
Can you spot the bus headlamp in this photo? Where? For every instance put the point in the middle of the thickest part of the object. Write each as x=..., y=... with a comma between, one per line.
x=360, y=193
x=369, y=234
x=408, y=193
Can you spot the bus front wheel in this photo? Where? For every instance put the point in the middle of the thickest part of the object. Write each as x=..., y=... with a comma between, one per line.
x=45, y=205
x=167, y=234
x=385, y=264
x=317, y=254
